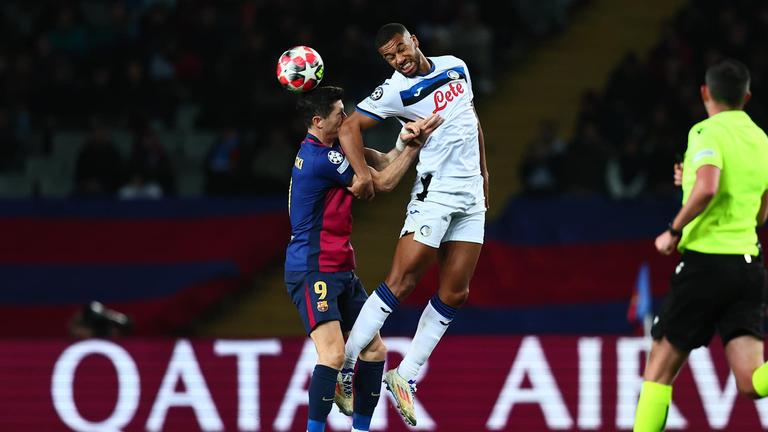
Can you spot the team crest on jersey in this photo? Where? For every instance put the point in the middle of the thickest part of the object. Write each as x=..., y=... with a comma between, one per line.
x=322, y=306
x=452, y=74
x=335, y=157
x=378, y=93
x=425, y=230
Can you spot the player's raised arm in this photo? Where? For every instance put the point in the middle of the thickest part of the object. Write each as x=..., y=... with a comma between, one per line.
x=412, y=138
x=351, y=139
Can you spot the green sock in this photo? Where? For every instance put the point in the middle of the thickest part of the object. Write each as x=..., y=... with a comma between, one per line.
x=652, y=408
x=760, y=380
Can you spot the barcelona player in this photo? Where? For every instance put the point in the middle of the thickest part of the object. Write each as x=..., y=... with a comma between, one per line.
x=320, y=260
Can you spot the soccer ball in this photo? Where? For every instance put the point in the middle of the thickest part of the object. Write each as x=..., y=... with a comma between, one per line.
x=300, y=69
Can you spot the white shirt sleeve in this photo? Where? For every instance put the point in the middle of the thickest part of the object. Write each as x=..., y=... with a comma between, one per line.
x=383, y=103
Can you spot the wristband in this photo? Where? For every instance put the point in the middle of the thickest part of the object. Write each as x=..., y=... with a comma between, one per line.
x=400, y=145
x=674, y=232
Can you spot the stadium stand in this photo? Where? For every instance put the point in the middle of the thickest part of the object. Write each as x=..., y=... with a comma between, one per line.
x=134, y=256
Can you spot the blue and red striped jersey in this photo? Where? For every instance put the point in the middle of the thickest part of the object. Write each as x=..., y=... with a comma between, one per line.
x=320, y=208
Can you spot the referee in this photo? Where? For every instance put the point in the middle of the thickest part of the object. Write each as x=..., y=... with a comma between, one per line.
x=719, y=283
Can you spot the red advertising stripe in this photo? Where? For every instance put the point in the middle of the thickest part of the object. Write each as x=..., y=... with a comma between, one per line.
x=152, y=316
x=508, y=383
x=47, y=241
x=540, y=275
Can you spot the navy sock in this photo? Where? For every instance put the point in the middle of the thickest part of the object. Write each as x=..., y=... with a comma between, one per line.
x=386, y=296
x=367, y=386
x=442, y=308
x=321, y=390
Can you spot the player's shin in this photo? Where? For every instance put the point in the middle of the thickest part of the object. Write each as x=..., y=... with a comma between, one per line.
x=372, y=316
x=652, y=407
x=432, y=326
x=321, y=389
x=367, y=390
x=760, y=380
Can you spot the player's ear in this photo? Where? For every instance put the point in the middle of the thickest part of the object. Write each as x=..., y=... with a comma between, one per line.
x=317, y=121
x=747, y=97
x=705, y=96
x=415, y=41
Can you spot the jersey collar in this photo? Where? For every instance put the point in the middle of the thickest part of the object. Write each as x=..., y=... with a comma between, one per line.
x=311, y=139
x=431, y=68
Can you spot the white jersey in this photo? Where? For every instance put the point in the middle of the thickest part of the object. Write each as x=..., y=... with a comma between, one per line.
x=453, y=149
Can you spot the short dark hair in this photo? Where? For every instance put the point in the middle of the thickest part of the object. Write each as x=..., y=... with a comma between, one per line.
x=387, y=31
x=318, y=102
x=728, y=82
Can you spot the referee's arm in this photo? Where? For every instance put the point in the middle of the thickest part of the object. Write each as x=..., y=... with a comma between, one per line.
x=762, y=215
x=704, y=189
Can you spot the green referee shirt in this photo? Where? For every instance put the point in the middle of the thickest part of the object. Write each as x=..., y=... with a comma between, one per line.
x=731, y=141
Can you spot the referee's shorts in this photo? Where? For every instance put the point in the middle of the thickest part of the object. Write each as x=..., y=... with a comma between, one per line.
x=711, y=292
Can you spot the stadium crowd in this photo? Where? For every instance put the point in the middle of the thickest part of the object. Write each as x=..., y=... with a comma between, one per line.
x=137, y=65
x=629, y=134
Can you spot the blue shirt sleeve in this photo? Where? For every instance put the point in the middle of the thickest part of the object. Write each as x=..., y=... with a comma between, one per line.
x=332, y=165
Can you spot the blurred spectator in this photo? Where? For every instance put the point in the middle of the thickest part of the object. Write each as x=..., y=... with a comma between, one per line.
x=584, y=168
x=625, y=173
x=96, y=321
x=9, y=145
x=272, y=163
x=68, y=36
x=150, y=170
x=99, y=167
x=540, y=171
x=543, y=16
x=472, y=41
x=222, y=164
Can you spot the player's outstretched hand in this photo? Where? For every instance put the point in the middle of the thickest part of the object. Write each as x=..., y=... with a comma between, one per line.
x=417, y=132
x=678, y=174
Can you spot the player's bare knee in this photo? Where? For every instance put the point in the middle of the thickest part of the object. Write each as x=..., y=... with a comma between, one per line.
x=456, y=298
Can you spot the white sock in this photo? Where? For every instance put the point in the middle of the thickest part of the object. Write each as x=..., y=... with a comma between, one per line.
x=375, y=311
x=432, y=327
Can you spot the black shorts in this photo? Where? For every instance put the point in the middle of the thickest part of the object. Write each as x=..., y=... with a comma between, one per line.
x=322, y=297
x=709, y=292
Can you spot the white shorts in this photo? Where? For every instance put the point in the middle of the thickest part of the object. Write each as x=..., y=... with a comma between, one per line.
x=452, y=210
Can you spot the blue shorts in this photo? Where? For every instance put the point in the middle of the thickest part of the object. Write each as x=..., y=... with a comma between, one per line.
x=322, y=297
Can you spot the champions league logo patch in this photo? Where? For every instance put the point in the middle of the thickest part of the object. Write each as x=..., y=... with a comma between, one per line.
x=335, y=157
x=452, y=74
x=425, y=230
x=378, y=93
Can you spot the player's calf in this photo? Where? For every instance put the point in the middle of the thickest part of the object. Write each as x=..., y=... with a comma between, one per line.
x=402, y=285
